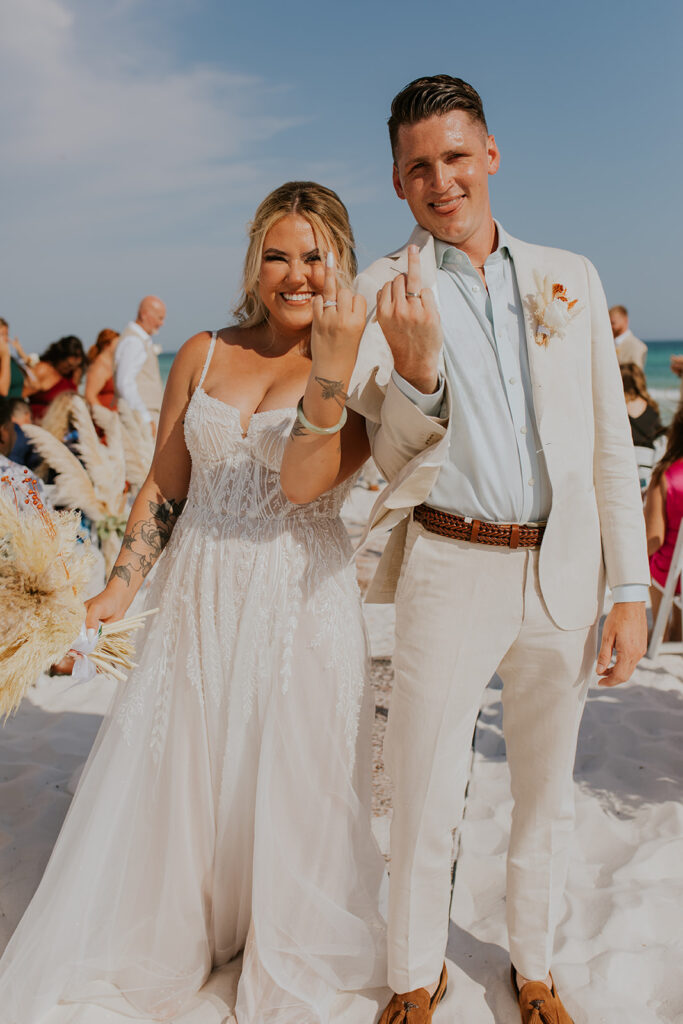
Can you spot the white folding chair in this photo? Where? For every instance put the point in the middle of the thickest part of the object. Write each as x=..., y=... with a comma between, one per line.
x=647, y=459
x=669, y=599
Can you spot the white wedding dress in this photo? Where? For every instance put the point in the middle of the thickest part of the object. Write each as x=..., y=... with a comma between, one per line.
x=226, y=802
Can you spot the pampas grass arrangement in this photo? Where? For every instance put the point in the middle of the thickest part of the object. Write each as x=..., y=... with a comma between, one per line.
x=95, y=485
x=43, y=570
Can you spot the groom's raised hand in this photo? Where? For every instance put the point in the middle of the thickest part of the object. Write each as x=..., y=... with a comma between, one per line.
x=410, y=322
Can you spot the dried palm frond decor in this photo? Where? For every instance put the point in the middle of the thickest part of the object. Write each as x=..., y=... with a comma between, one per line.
x=44, y=567
x=57, y=418
x=135, y=437
x=95, y=485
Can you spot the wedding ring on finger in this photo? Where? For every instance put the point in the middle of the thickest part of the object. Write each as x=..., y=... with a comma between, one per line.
x=413, y=295
x=330, y=302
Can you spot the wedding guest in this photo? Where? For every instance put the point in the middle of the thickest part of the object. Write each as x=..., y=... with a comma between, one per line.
x=23, y=451
x=643, y=411
x=99, y=375
x=59, y=369
x=663, y=514
x=136, y=367
x=14, y=359
x=629, y=348
x=14, y=471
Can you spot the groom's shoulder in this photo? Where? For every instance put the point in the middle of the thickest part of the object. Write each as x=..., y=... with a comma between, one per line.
x=549, y=256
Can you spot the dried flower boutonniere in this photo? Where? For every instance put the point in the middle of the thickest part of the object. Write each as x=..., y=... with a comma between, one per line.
x=553, y=309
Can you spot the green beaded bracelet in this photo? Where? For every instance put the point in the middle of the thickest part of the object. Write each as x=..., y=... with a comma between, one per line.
x=319, y=430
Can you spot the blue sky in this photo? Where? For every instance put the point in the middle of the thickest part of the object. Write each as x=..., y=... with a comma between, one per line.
x=139, y=135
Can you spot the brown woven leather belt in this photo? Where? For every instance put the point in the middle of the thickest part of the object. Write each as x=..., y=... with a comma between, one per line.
x=509, y=535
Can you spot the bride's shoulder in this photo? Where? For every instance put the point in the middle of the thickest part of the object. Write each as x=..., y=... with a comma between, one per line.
x=189, y=360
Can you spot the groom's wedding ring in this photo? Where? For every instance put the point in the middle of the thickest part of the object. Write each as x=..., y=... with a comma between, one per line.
x=330, y=302
x=413, y=295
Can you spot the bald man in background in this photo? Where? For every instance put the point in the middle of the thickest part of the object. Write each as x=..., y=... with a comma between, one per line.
x=629, y=348
x=137, y=379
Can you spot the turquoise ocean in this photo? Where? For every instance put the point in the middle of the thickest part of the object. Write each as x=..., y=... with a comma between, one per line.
x=663, y=385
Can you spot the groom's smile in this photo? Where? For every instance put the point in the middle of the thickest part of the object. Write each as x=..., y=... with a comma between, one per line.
x=442, y=166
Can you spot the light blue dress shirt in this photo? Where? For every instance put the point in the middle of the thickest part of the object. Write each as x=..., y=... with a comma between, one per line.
x=496, y=469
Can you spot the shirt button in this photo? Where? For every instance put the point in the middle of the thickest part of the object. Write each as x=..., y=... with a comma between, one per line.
x=531, y=481
x=513, y=380
x=522, y=430
x=475, y=287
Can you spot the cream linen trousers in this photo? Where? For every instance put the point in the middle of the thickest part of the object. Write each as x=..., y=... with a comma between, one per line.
x=463, y=612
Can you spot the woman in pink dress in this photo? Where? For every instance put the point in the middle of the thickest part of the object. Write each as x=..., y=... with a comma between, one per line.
x=663, y=514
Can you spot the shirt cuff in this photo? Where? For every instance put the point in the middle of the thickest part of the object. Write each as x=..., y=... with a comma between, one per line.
x=629, y=592
x=430, y=405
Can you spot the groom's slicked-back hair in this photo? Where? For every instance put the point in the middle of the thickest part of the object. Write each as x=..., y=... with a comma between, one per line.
x=430, y=97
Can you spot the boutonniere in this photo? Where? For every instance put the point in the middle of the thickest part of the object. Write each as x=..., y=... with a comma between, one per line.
x=552, y=308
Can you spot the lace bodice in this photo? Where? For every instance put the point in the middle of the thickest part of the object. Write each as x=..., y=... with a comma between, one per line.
x=236, y=478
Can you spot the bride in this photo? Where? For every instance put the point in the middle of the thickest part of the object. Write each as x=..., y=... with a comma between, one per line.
x=226, y=803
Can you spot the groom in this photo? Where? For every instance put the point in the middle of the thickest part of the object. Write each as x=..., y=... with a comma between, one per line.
x=490, y=386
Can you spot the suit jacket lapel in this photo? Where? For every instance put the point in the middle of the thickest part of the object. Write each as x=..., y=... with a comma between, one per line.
x=539, y=356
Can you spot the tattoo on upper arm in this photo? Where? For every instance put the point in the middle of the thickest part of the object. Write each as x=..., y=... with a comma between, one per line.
x=147, y=539
x=332, y=389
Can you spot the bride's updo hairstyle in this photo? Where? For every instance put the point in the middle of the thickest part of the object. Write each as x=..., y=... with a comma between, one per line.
x=327, y=215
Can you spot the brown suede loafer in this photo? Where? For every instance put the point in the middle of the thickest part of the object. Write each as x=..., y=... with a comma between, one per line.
x=538, y=1004
x=415, y=1007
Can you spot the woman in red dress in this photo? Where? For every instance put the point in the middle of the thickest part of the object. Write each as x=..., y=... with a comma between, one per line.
x=99, y=377
x=60, y=369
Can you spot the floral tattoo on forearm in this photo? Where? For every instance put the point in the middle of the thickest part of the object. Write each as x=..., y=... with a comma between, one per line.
x=147, y=539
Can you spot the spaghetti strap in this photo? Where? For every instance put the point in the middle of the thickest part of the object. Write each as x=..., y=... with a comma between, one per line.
x=208, y=358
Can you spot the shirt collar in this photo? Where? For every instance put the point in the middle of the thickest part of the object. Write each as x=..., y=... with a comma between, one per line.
x=620, y=337
x=456, y=259
x=135, y=328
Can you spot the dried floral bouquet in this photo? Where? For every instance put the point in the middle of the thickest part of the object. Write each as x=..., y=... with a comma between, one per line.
x=44, y=568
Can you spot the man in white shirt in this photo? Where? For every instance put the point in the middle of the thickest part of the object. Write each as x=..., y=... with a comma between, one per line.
x=494, y=406
x=629, y=348
x=137, y=379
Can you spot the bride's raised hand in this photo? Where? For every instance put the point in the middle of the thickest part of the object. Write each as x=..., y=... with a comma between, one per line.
x=338, y=323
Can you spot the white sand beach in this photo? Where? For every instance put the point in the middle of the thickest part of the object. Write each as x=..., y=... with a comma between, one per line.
x=619, y=946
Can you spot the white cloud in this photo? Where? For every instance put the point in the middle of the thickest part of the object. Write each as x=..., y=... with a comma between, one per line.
x=84, y=126
x=111, y=149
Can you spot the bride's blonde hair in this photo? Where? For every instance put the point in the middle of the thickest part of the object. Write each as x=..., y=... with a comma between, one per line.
x=329, y=219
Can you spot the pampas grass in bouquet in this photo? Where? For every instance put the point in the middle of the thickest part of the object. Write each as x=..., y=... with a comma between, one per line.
x=44, y=568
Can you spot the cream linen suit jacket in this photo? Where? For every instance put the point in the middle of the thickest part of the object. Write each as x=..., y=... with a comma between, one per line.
x=596, y=519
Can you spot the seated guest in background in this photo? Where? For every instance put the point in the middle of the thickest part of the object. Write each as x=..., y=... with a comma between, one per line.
x=23, y=451
x=59, y=369
x=663, y=514
x=136, y=367
x=629, y=348
x=17, y=474
x=643, y=411
x=99, y=376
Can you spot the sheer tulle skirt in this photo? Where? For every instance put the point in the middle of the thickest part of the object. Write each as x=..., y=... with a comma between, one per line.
x=225, y=803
